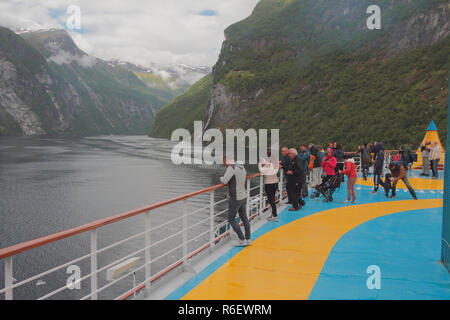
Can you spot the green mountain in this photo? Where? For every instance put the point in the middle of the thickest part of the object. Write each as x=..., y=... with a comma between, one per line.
x=184, y=110
x=49, y=86
x=313, y=69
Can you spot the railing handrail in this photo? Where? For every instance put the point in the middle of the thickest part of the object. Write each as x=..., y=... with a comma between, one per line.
x=38, y=242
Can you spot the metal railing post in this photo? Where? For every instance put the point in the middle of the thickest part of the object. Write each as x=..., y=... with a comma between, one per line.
x=280, y=186
x=185, y=235
x=247, y=208
x=211, y=219
x=94, y=278
x=261, y=195
x=9, y=278
x=147, y=244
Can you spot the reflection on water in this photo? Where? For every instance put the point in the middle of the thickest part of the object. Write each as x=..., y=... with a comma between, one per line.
x=51, y=184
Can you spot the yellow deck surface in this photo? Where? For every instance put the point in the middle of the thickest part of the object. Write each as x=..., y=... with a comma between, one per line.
x=416, y=183
x=286, y=262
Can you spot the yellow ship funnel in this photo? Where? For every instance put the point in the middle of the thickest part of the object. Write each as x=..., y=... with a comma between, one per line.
x=432, y=135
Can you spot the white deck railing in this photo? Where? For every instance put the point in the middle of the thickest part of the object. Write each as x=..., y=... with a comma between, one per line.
x=190, y=247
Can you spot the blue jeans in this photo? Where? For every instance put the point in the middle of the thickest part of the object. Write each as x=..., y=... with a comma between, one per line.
x=235, y=207
x=434, y=167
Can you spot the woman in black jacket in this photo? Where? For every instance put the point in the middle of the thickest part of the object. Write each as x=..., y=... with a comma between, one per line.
x=339, y=155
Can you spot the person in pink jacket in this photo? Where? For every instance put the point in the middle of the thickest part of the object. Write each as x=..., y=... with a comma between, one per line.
x=350, y=171
x=329, y=164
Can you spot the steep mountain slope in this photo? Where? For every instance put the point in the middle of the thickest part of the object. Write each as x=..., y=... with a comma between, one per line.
x=49, y=86
x=313, y=69
x=184, y=110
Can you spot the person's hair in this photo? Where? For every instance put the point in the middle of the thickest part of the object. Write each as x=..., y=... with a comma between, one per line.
x=365, y=144
x=293, y=150
x=339, y=146
x=304, y=145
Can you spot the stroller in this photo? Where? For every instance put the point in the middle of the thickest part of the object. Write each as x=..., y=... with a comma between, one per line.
x=328, y=187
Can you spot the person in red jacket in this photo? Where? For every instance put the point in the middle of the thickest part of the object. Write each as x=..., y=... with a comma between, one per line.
x=350, y=171
x=329, y=165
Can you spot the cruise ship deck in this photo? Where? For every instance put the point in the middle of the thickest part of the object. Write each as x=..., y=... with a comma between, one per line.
x=330, y=251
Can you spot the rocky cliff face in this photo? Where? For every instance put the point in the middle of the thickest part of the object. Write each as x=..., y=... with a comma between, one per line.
x=49, y=86
x=13, y=105
x=232, y=100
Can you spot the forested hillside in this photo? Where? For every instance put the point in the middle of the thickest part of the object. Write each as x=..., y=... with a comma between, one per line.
x=314, y=70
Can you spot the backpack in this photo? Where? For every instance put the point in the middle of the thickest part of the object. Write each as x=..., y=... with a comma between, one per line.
x=311, y=162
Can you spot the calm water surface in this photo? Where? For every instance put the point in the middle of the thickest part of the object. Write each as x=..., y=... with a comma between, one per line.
x=51, y=184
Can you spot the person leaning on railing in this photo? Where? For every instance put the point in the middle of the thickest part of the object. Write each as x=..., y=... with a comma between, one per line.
x=269, y=169
x=235, y=178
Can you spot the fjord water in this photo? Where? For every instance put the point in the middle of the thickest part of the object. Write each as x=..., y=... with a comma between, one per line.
x=51, y=184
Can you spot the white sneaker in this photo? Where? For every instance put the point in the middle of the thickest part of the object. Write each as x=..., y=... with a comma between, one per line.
x=272, y=218
x=248, y=242
x=347, y=201
x=353, y=202
x=241, y=243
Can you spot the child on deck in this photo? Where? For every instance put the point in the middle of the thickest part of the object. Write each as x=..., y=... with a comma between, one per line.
x=350, y=171
x=396, y=157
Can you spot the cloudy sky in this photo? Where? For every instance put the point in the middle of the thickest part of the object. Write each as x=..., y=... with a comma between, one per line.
x=140, y=31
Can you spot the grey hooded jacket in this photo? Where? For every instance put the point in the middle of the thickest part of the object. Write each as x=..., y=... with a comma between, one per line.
x=235, y=178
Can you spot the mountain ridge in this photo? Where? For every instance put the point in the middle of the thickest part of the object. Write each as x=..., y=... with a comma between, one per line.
x=50, y=86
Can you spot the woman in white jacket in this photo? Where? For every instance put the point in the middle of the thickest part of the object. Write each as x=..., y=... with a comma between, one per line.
x=269, y=170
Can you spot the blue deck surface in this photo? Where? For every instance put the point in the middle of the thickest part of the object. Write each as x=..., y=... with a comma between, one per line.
x=405, y=245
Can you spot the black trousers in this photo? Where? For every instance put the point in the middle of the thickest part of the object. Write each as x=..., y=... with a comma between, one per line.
x=377, y=181
x=295, y=188
x=271, y=190
x=340, y=167
x=365, y=169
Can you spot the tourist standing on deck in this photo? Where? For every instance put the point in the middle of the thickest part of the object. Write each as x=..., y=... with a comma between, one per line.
x=378, y=166
x=426, y=149
x=295, y=179
x=365, y=159
x=234, y=178
x=284, y=164
x=305, y=155
x=269, y=168
x=339, y=155
x=435, y=157
x=398, y=171
x=316, y=178
x=408, y=158
x=329, y=165
x=350, y=171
